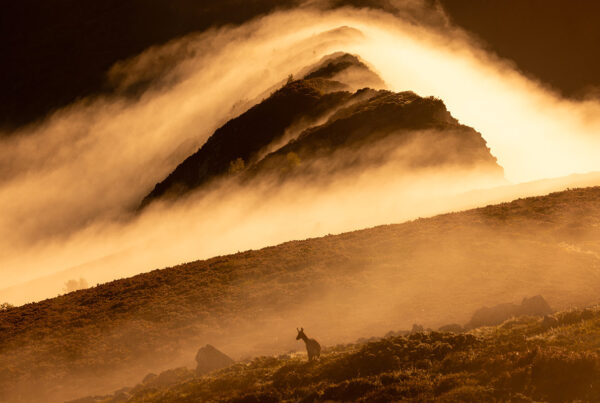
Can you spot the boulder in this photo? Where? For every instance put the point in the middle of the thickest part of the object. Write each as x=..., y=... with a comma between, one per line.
x=534, y=306
x=172, y=377
x=149, y=378
x=549, y=322
x=451, y=328
x=492, y=316
x=210, y=359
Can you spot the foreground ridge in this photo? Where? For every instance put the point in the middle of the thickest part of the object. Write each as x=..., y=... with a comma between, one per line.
x=525, y=359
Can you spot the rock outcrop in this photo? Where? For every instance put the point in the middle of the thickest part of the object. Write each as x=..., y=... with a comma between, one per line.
x=210, y=359
x=534, y=306
x=317, y=127
x=237, y=144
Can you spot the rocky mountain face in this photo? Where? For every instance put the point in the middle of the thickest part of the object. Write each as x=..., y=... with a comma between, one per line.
x=237, y=144
x=319, y=126
x=382, y=127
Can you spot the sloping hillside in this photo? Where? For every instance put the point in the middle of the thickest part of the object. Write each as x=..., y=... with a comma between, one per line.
x=526, y=359
x=432, y=271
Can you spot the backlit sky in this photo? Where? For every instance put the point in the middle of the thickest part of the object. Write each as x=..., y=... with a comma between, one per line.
x=55, y=52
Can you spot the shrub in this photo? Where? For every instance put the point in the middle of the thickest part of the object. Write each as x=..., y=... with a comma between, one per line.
x=562, y=376
x=469, y=393
x=74, y=285
x=349, y=390
x=236, y=166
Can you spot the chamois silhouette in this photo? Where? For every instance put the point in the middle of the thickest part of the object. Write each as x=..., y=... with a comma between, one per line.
x=313, y=348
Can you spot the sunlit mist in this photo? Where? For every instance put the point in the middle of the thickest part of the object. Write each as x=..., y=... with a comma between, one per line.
x=69, y=185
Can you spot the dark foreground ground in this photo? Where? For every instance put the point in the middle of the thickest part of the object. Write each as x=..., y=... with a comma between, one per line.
x=525, y=359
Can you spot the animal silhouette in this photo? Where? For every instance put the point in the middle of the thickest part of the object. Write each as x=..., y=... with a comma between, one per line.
x=313, y=348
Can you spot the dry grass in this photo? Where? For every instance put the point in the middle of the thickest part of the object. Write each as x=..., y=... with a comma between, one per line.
x=520, y=360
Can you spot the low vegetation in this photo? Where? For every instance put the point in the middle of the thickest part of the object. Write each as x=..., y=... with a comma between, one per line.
x=74, y=285
x=526, y=359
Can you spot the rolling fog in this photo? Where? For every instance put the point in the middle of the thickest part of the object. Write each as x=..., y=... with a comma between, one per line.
x=69, y=184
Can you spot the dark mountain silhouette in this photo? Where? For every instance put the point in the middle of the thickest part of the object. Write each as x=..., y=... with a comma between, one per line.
x=243, y=137
x=376, y=121
x=238, y=142
x=370, y=130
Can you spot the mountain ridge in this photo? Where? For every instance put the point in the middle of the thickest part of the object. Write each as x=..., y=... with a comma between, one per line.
x=336, y=121
x=393, y=121
x=242, y=138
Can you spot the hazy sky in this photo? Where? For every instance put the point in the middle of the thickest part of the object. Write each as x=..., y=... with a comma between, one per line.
x=55, y=52
x=69, y=183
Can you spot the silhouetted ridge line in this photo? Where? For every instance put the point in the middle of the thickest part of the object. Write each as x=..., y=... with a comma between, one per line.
x=363, y=130
x=235, y=145
x=333, y=65
x=383, y=122
x=241, y=138
x=362, y=120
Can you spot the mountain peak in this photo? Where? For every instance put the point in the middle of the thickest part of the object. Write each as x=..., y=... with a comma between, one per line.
x=325, y=88
x=345, y=68
x=330, y=112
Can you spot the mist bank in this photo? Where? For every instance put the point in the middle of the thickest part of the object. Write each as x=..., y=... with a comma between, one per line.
x=68, y=184
x=142, y=257
x=231, y=217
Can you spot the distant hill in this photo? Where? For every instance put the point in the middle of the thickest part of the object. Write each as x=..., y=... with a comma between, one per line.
x=431, y=271
x=342, y=129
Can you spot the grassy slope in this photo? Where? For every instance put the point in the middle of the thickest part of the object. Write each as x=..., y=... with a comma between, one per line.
x=433, y=271
x=524, y=359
